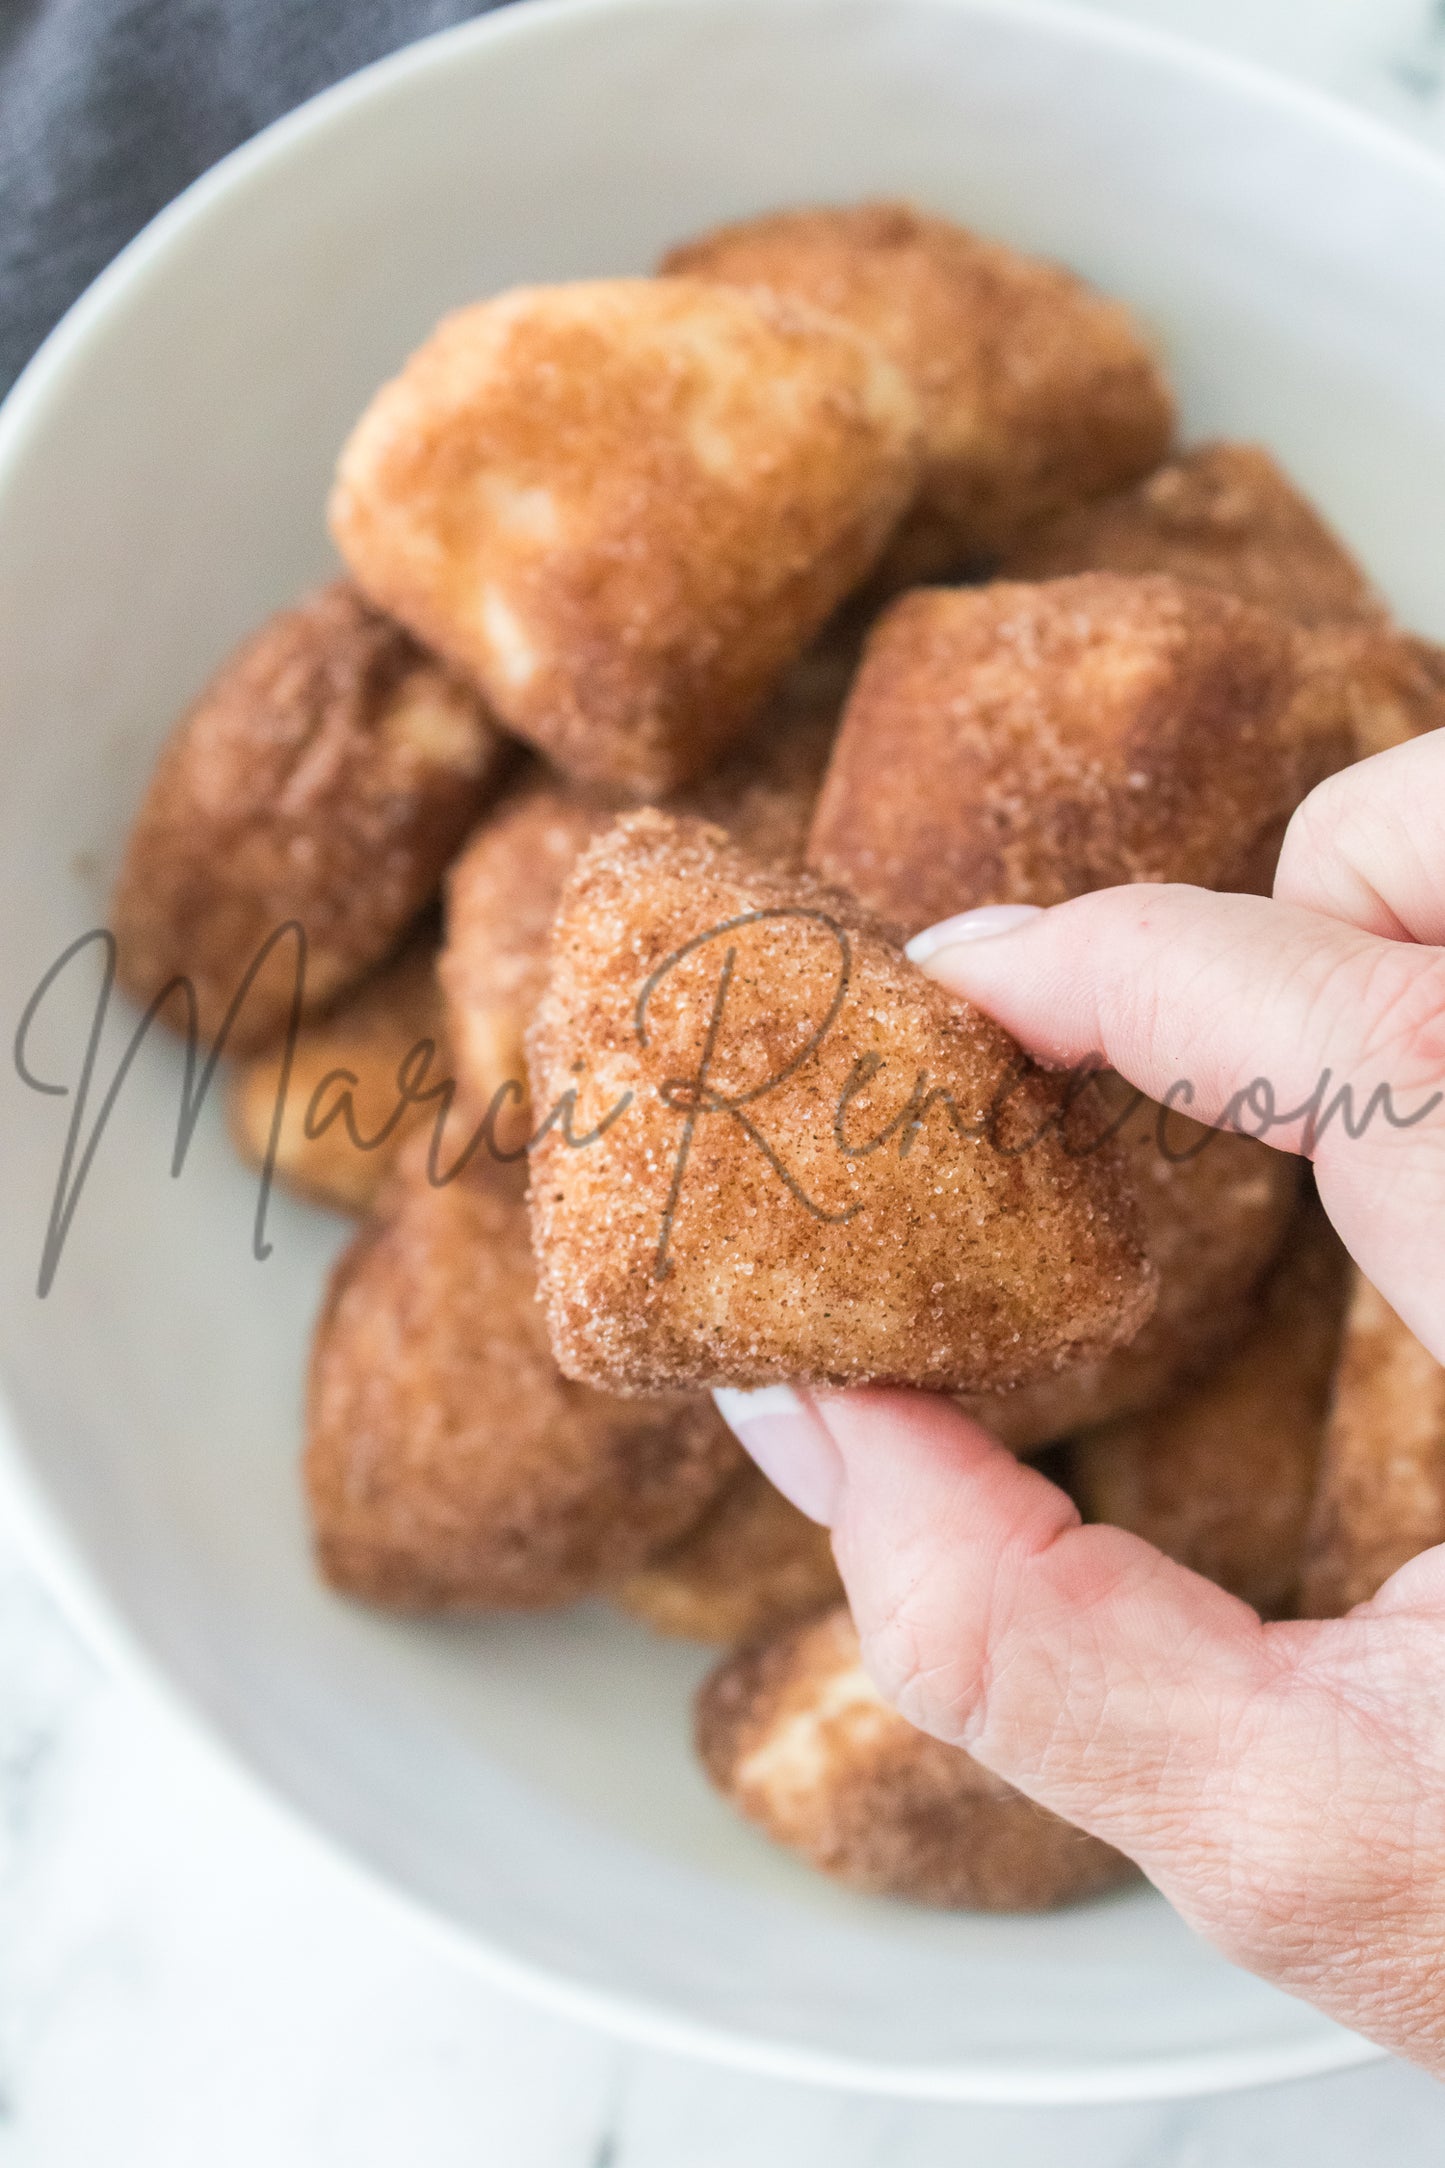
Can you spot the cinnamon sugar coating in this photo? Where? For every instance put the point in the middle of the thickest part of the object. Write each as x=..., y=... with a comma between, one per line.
x=502, y=897
x=327, y=774
x=1037, y=393
x=1223, y=515
x=812, y=1165
x=345, y=1115
x=1226, y=516
x=1220, y=1477
x=625, y=506
x=448, y=1465
x=1026, y=744
x=1393, y=682
x=752, y=1564
x=1216, y=1209
x=502, y=894
x=795, y=1735
x=1380, y=1499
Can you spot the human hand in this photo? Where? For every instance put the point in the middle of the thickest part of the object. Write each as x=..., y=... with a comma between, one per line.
x=1283, y=1784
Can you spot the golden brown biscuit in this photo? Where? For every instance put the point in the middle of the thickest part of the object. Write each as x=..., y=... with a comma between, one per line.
x=1223, y=515
x=626, y=506
x=752, y=1564
x=806, y=1162
x=1220, y=1477
x=1036, y=392
x=795, y=1734
x=1216, y=1208
x=1380, y=1498
x=1393, y=682
x=503, y=892
x=350, y=1097
x=448, y=1466
x=502, y=897
x=326, y=775
x=1021, y=744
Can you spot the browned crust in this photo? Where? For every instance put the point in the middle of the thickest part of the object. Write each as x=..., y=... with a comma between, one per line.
x=625, y=506
x=752, y=1564
x=503, y=892
x=1380, y=1499
x=326, y=775
x=1224, y=516
x=346, y=1082
x=1393, y=683
x=448, y=1466
x=1220, y=1477
x=795, y=1736
x=1026, y=744
x=982, y=1253
x=1216, y=1209
x=1037, y=393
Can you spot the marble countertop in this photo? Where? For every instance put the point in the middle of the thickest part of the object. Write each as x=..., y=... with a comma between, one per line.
x=183, y=1977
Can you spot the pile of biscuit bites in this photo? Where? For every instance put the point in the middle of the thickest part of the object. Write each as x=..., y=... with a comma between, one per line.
x=704, y=636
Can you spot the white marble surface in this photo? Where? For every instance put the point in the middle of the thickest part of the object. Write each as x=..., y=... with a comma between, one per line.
x=183, y=1978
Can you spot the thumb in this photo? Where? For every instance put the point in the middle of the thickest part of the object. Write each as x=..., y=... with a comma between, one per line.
x=1077, y=1662
x=1279, y=1783
x=1248, y=1014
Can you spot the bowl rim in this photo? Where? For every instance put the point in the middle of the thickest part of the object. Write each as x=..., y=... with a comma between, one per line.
x=39, y=1526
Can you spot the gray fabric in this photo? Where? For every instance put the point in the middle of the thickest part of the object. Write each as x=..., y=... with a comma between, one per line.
x=109, y=107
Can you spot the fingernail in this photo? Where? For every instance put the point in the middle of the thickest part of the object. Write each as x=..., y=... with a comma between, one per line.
x=778, y=1429
x=981, y=925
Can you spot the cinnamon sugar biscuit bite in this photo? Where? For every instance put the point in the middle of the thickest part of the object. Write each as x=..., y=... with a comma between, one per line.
x=326, y=775
x=1220, y=1477
x=795, y=1735
x=1036, y=392
x=502, y=897
x=502, y=894
x=1223, y=515
x=1025, y=744
x=625, y=506
x=1216, y=1208
x=1393, y=682
x=776, y=1152
x=1380, y=1499
x=1226, y=516
x=448, y=1466
x=752, y=1564
x=353, y=1094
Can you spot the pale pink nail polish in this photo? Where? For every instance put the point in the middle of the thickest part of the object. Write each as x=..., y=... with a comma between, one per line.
x=981, y=925
x=782, y=1433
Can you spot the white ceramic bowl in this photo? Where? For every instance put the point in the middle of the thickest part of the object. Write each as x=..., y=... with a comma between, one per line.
x=162, y=470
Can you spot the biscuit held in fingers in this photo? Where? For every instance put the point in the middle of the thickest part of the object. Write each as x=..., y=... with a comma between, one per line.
x=795, y=1734
x=625, y=506
x=1381, y=1494
x=1036, y=392
x=1224, y=516
x=448, y=1465
x=1307, y=1023
x=752, y=1564
x=351, y=1090
x=326, y=775
x=503, y=892
x=775, y=1152
x=1220, y=1477
x=1216, y=1208
x=1025, y=744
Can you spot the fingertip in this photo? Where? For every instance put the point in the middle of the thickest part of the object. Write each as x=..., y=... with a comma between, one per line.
x=929, y=948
